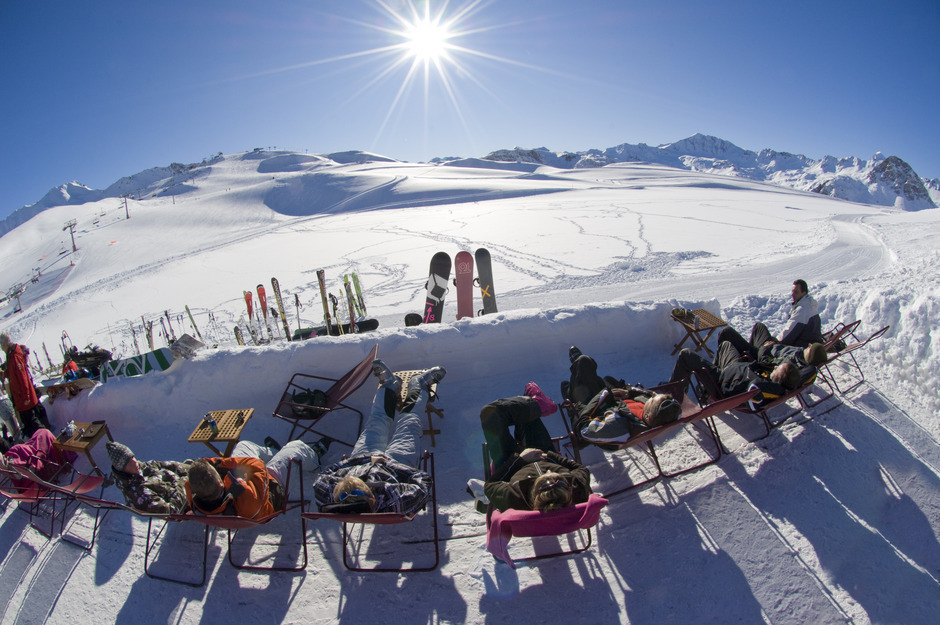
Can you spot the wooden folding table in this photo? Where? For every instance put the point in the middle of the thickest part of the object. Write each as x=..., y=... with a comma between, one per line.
x=230, y=424
x=697, y=323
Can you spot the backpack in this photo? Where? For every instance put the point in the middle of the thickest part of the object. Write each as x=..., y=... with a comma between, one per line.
x=315, y=398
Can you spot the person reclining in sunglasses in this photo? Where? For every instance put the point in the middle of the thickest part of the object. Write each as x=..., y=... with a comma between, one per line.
x=381, y=473
x=609, y=411
x=526, y=471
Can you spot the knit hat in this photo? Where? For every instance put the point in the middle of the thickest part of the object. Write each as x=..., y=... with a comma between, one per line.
x=119, y=455
x=816, y=354
x=546, y=405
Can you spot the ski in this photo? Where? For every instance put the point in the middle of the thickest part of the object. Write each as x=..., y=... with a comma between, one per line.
x=438, y=279
x=172, y=335
x=148, y=331
x=347, y=284
x=238, y=336
x=263, y=304
x=485, y=281
x=192, y=321
x=463, y=280
x=321, y=279
x=250, y=304
x=351, y=301
x=280, y=306
x=361, y=302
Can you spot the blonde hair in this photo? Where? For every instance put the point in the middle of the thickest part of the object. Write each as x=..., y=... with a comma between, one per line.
x=551, y=497
x=349, y=484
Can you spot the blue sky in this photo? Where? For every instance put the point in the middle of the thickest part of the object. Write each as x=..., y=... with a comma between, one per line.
x=96, y=91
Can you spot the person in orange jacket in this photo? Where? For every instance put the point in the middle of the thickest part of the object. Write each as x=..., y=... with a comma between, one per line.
x=244, y=485
x=22, y=389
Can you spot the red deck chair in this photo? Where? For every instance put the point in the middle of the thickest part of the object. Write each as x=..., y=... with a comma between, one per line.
x=385, y=518
x=847, y=361
x=307, y=417
x=232, y=525
x=30, y=494
x=68, y=494
x=575, y=522
x=839, y=332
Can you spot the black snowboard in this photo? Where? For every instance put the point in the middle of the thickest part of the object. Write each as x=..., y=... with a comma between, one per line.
x=485, y=281
x=438, y=281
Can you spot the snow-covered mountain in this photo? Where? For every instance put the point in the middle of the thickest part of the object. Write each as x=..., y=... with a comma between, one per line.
x=882, y=181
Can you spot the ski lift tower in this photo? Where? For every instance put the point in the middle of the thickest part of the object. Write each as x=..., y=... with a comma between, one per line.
x=14, y=294
x=70, y=226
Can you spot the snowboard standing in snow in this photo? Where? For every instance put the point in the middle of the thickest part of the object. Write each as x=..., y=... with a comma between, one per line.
x=157, y=360
x=463, y=280
x=485, y=281
x=437, y=287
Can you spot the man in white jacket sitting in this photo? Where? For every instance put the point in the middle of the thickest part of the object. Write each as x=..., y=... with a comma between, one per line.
x=803, y=326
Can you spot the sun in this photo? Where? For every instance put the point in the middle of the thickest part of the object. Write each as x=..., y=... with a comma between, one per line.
x=427, y=40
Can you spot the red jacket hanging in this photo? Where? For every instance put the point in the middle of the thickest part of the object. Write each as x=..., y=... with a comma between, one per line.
x=21, y=384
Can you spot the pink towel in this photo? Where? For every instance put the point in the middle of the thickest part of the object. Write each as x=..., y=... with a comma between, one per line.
x=39, y=455
x=505, y=525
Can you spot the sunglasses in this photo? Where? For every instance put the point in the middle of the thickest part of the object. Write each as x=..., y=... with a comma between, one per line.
x=551, y=483
x=343, y=496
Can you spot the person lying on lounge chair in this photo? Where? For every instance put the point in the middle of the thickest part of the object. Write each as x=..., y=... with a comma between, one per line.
x=606, y=410
x=734, y=374
x=527, y=473
x=37, y=454
x=765, y=349
x=381, y=473
x=251, y=483
x=155, y=486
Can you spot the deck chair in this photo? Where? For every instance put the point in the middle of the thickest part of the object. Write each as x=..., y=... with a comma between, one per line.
x=709, y=388
x=847, y=361
x=575, y=522
x=70, y=496
x=296, y=405
x=232, y=525
x=385, y=518
x=692, y=415
x=839, y=332
x=30, y=494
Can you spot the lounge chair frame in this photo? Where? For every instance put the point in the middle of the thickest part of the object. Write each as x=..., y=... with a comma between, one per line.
x=336, y=394
x=846, y=358
x=82, y=485
x=699, y=416
x=232, y=525
x=579, y=539
x=386, y=518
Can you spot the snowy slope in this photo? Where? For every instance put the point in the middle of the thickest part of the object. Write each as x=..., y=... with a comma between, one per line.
x=830, y=519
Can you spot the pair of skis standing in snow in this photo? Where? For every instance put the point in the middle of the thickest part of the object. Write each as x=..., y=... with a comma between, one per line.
x=438, y=285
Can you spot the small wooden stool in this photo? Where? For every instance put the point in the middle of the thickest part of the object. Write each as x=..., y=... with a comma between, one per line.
x=428, y=408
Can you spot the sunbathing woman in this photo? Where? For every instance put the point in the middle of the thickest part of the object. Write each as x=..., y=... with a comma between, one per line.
x=526, y=472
